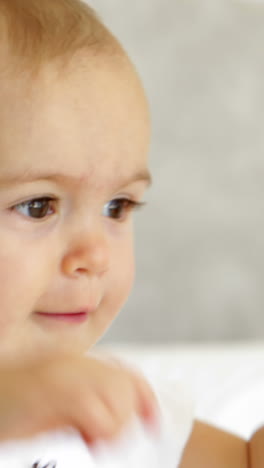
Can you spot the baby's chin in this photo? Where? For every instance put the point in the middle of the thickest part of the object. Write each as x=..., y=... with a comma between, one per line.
x=25, y=348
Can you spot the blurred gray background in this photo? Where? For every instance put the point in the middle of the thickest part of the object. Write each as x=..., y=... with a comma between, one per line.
x=200, y=242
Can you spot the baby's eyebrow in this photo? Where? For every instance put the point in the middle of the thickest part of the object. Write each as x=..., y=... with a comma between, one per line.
x=30, y=176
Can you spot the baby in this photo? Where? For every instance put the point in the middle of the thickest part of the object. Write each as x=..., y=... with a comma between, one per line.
x=74, y=137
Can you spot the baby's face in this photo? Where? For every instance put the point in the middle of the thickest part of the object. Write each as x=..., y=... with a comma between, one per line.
x=73, y=156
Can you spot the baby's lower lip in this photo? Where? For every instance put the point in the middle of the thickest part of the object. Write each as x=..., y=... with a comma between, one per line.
x=77, y=317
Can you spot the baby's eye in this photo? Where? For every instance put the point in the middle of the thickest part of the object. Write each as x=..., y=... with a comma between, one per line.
x=37, y=208
x=119, y=208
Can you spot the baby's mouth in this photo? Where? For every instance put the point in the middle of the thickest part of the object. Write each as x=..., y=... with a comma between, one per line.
x=78, y=316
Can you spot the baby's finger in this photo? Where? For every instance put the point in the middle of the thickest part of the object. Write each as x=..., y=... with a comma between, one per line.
x=147, y=403
x=121, y=401
x=95, y=420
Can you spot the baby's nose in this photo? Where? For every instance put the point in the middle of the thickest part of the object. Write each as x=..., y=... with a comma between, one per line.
x=88, y=254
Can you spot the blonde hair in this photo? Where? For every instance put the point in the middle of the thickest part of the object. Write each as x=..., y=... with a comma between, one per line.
x=34, y=32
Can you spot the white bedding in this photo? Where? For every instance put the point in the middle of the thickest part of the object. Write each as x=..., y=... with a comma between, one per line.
x=227, y=380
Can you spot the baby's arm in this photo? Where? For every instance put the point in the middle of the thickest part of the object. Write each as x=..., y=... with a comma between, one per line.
x=209, y=447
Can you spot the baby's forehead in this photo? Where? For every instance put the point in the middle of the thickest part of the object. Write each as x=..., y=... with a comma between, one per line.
x=109, y=95
x=84, y=78
x=91, y=124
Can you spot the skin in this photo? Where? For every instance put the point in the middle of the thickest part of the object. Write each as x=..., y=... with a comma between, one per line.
x=256, y=449
x=209, y=447
x=89, y=131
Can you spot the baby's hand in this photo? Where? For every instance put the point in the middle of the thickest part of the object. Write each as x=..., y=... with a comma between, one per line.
x=92, y=396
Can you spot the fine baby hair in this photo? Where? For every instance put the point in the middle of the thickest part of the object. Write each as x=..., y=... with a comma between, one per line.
x=35, y=32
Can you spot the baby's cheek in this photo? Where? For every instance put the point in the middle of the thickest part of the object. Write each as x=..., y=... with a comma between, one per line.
x=122, y=282
x=11, y=302
x=21, y=282
x=12, y=273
